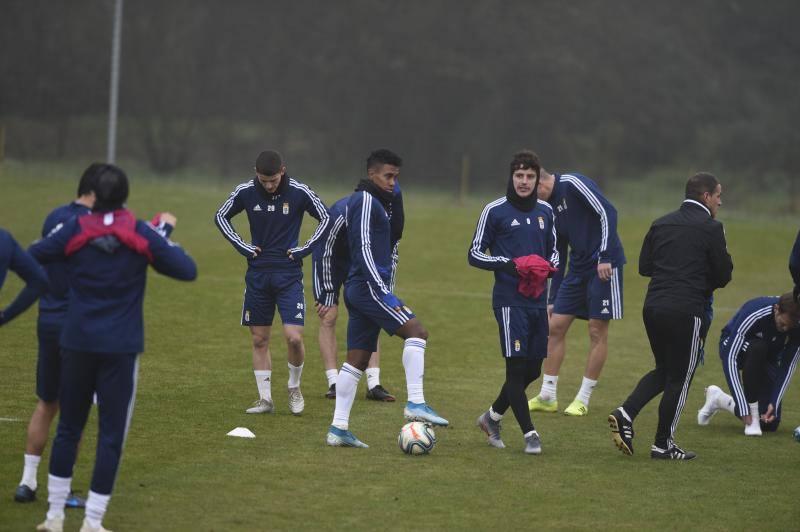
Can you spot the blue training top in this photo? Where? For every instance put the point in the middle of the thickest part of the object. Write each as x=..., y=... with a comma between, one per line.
x=53, y=303
x=587, y=222
x=369, y=236
x=107, y=282
x=14, y=258
x=510, y=233
x=275, y=221
x=756, y=320
x=332, y=255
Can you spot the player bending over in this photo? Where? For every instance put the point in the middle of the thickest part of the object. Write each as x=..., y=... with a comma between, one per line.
x=759, y=348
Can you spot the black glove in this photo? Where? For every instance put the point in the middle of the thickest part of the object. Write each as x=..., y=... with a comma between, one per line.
x=510, y=268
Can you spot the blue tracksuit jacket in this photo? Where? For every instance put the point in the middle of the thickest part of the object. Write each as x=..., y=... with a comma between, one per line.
x=107, y=282
x=275, y=221
x=510, y=233
x=586, y=222
x=14, y=258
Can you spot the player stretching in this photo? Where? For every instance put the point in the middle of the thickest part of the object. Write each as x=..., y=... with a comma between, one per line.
x=275, y=204
x=371, y=304
x=331, y=263
x=517, y=225
x=591, y=289
x=763, y=342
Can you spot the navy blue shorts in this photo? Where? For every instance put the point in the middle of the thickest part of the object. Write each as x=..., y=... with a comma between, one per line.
x=48, y=365
x=320, y=290
x=585, y=296
x=264, y=290
x=368, y=315
x=523, y=331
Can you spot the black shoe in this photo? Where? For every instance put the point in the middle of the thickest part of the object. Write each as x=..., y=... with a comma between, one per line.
x=379, y=393
x=621, y=431
x=24, y=494
x=74, y=501
x=672, y=453
x=331, y=393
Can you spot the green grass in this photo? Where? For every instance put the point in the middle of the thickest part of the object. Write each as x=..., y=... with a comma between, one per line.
x=180, y=471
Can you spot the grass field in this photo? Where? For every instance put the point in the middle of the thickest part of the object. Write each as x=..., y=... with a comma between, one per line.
x=180, y=471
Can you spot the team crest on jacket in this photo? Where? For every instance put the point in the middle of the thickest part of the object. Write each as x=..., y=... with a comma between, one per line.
x=285, y=208
x=517, y=346
x=541, y=222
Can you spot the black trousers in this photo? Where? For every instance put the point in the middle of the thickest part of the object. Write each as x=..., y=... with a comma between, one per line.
x=520, y=372
x=675, y=341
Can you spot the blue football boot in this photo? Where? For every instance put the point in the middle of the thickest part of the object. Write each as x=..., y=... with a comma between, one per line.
x=343, y=438
x=422, y=412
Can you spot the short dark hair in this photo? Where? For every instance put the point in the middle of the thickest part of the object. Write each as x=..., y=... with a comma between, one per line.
x=88, y=179
x=526, y=160
x=788, y=304
x=383, y=156
x=699, y=184
x=269, y=162
x=110, y=188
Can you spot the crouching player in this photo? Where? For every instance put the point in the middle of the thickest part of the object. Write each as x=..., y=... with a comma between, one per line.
x=107, y=253
x=371, y=304
x=514, y=226
x=762, y=342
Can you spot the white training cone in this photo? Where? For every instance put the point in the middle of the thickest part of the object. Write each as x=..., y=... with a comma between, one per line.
x=241, y=432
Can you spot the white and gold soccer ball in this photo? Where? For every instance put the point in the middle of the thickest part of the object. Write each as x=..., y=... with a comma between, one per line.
x=416, y=438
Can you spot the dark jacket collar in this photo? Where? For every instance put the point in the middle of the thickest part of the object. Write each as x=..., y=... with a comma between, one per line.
x=694, y=204
x=280, y=191
x=384, y=197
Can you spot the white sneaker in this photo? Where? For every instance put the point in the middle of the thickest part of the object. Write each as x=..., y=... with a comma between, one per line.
x=55, y=524
x=710, y=407
x=296, y=401
x=753, y=429
x=86, y=527
x=262, y=406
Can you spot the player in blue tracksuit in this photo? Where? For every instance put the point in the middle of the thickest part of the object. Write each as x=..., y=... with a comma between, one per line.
x=591, y=288
x=52, y=310
x=14, y=258
x=107, y=254
x=516, y=225
x=371, y=304
x=331, y=263
x=762, y=341
x=275, y=204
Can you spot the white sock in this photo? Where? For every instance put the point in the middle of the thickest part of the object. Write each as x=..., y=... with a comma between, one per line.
x=529, y=434
x=264, y=383
x=346, y=385
x=57, y=491
x=29, y=471
x=414, y=364
x=755, y=419
x=294, y=375
x=549, y=384
x=330, y=374
x=96, y=506
x=726, y=402
x=585, y=393
x=494, y=415
x=373, y=377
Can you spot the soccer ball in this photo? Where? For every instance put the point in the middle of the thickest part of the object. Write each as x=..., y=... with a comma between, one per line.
x=416, y=438
x=796, y=434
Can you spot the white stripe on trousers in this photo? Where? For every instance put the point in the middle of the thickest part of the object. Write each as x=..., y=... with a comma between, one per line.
x=689, y=373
